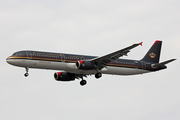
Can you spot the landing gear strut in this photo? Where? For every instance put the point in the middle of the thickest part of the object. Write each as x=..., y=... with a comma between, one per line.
x=98, y=75
x=83, y=82
x=26, y=74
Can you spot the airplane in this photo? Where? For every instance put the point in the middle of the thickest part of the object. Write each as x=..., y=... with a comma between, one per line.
x=80, y=66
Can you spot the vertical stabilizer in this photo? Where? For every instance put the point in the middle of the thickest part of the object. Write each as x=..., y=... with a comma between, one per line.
x=153, y=54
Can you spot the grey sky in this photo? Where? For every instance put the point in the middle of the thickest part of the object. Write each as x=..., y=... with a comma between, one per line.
x=93, y=27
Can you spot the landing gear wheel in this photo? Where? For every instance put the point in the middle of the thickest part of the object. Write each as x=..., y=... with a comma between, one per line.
x=83, y=82
x=98, y=75
x=26, y=74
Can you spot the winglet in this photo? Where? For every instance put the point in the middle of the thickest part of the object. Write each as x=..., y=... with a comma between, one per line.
x=141, y=43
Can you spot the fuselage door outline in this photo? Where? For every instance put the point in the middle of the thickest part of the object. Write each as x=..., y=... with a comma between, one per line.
x=29, y=55
x=143, y=65
x=62, y=57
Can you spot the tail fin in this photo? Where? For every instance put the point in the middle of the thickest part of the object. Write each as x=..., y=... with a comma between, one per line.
x=153, y=54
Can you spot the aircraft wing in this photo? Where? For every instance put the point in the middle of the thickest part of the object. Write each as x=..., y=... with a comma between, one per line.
x=104, y=60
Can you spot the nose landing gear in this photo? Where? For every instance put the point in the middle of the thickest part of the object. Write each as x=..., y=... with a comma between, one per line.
x=26, y=74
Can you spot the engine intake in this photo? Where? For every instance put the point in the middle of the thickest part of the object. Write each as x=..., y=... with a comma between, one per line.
x=85, y=65
x=64, y=76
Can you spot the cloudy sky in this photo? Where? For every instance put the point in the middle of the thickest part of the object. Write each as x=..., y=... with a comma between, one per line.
x=89, y=27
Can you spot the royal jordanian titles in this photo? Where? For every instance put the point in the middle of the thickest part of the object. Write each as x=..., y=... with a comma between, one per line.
x=80, y=66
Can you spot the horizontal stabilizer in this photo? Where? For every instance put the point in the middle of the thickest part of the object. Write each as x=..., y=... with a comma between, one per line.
x=161, y=64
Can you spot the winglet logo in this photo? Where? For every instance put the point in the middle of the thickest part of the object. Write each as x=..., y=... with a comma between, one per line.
x=152, y=55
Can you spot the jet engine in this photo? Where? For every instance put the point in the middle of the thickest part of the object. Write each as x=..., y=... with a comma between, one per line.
x=85, y=65
x=64, y=76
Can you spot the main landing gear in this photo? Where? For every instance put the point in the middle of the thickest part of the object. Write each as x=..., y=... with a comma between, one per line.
x=98, y=75
x=83, y=82
x=26, y=74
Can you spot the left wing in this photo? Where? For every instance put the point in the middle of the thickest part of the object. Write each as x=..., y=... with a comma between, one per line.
x=104, y=60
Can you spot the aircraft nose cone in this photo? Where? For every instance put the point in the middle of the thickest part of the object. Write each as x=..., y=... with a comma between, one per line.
x=11, y=61
x=8, y=60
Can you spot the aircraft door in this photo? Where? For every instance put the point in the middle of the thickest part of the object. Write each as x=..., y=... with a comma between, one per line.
x=29, y=55
x=62, y=57
x=143, y=64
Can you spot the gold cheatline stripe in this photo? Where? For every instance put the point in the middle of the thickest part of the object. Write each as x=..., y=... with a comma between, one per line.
x=16, y=57
x=40, y=59
x=69, y=61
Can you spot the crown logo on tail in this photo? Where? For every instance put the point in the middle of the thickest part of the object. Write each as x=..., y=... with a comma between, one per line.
x=152, y=55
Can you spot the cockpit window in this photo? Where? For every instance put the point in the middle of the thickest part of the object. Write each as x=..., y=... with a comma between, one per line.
x=17, y=53
x=20, y=53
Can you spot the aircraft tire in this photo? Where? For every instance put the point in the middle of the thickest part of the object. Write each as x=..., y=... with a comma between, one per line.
x=26, y=74
x=98, y=75
x=83, y=82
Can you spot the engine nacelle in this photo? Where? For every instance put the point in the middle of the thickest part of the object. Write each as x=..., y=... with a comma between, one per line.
x=85, y=65
x=64, y=76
